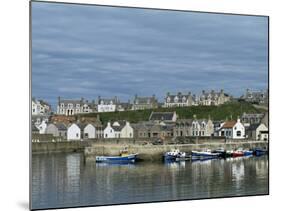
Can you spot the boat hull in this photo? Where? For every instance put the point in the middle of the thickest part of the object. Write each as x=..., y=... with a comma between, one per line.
x=205, y=154
x=117, y=159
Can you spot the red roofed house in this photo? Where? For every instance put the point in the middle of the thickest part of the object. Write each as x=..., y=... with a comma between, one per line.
x=232, y=129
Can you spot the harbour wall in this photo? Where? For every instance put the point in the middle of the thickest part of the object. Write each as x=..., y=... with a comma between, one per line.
x=155, y=152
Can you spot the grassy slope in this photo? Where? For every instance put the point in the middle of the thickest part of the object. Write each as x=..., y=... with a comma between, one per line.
x=221, y=112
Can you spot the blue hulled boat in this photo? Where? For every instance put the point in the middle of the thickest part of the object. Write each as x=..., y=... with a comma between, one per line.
x=259, y=151
x=174, y=155
x=130, y=158
x=247, y=152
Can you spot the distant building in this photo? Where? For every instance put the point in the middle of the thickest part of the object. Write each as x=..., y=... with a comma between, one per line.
x=183, y=128
x=71, y=107
x=107, y=105
x=179, y=100
x=89, y=131
x=163, y=117
x=34, y=129
x=112, y=131
x=258, y=97
x=232, y=129
x=141, y=103
x=40, y=107
x=213, y=98
x=202, y=127
x=127, y=131
x=57, y=130
x=153, y=130
x=257, y=132
x=248, y=119
x=265, y=120
x=74, y=132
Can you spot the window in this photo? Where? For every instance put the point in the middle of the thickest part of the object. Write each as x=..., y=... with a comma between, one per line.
x=77, y=135
x=130, y=134
x=106, y=135
x=238, y=133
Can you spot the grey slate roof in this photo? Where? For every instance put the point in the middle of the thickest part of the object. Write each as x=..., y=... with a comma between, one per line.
x=61, y=126
x=253, y=127
x=161, y=116
x=145, y=100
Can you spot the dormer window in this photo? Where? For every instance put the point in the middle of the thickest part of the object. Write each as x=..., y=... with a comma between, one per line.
x=62, y=105
x=168, y=99
x=176, y=99
x=101, y=102
x=111, y=102
x=184, y=99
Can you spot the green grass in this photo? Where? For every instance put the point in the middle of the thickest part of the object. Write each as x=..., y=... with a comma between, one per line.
x=228, y=110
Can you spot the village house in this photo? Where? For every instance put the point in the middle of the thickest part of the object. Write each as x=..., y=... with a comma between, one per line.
x=167, y=117
x=232, y=129
x=264, y=120
x=258, y=97
x=248, y=119
x=42, y=127
x=57, y=130
x=112, y=131
x=74, y=132
x=71, y=107
x=141, y=103
x=202, y=127
x=127, y=131
x=89, y=131
x=257, y=132
x=182, y=127
x=179, y=100
x=107, y=105
x=40, y=107
x=34, y=129
x=153, y=130
x=213, y=98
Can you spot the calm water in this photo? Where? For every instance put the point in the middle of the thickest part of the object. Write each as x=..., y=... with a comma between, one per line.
x=60, y=180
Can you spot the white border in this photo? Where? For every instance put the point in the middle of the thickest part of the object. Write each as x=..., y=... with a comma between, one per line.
x=14, y=67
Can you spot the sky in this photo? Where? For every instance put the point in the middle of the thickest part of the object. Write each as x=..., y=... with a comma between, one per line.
x=90, y=51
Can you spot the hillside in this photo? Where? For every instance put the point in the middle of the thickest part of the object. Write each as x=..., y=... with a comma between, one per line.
x=221, y=112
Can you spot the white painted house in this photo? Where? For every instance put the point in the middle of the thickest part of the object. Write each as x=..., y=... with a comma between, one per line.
x=73, y=132
x=233, y=129
x=108, y=132
x=89, y=131
x=40, y=107
x=42, y=127
x=258, y=132
x=107, y=105
x=127, y=131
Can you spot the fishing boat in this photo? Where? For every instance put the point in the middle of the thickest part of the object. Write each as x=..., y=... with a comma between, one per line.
x=123, y=158
x=248, y=152
x=205, y=153
x=259, y=151
x=238, y=153
x=174, y=155
x=222, y=152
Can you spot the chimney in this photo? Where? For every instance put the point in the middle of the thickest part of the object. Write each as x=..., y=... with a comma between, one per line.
x=179, y=93
x=189, y=93
x=82, y=99
x=153, y=96
x=59, y=100
x=203, y=92
x=168, y=93
x=238, y=119
x=221, y=91
x=136, y=96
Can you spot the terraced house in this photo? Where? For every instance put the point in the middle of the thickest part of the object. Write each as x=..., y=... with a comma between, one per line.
x=213, y=98
x=179, y=100
x=71, y=107
x=141, y=103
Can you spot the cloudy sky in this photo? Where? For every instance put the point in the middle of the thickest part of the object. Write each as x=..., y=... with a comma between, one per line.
x=87, y=51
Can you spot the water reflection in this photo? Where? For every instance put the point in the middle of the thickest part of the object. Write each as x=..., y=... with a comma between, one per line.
x=65, y=180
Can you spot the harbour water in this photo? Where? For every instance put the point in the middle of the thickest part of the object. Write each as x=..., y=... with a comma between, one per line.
x=64, y=180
